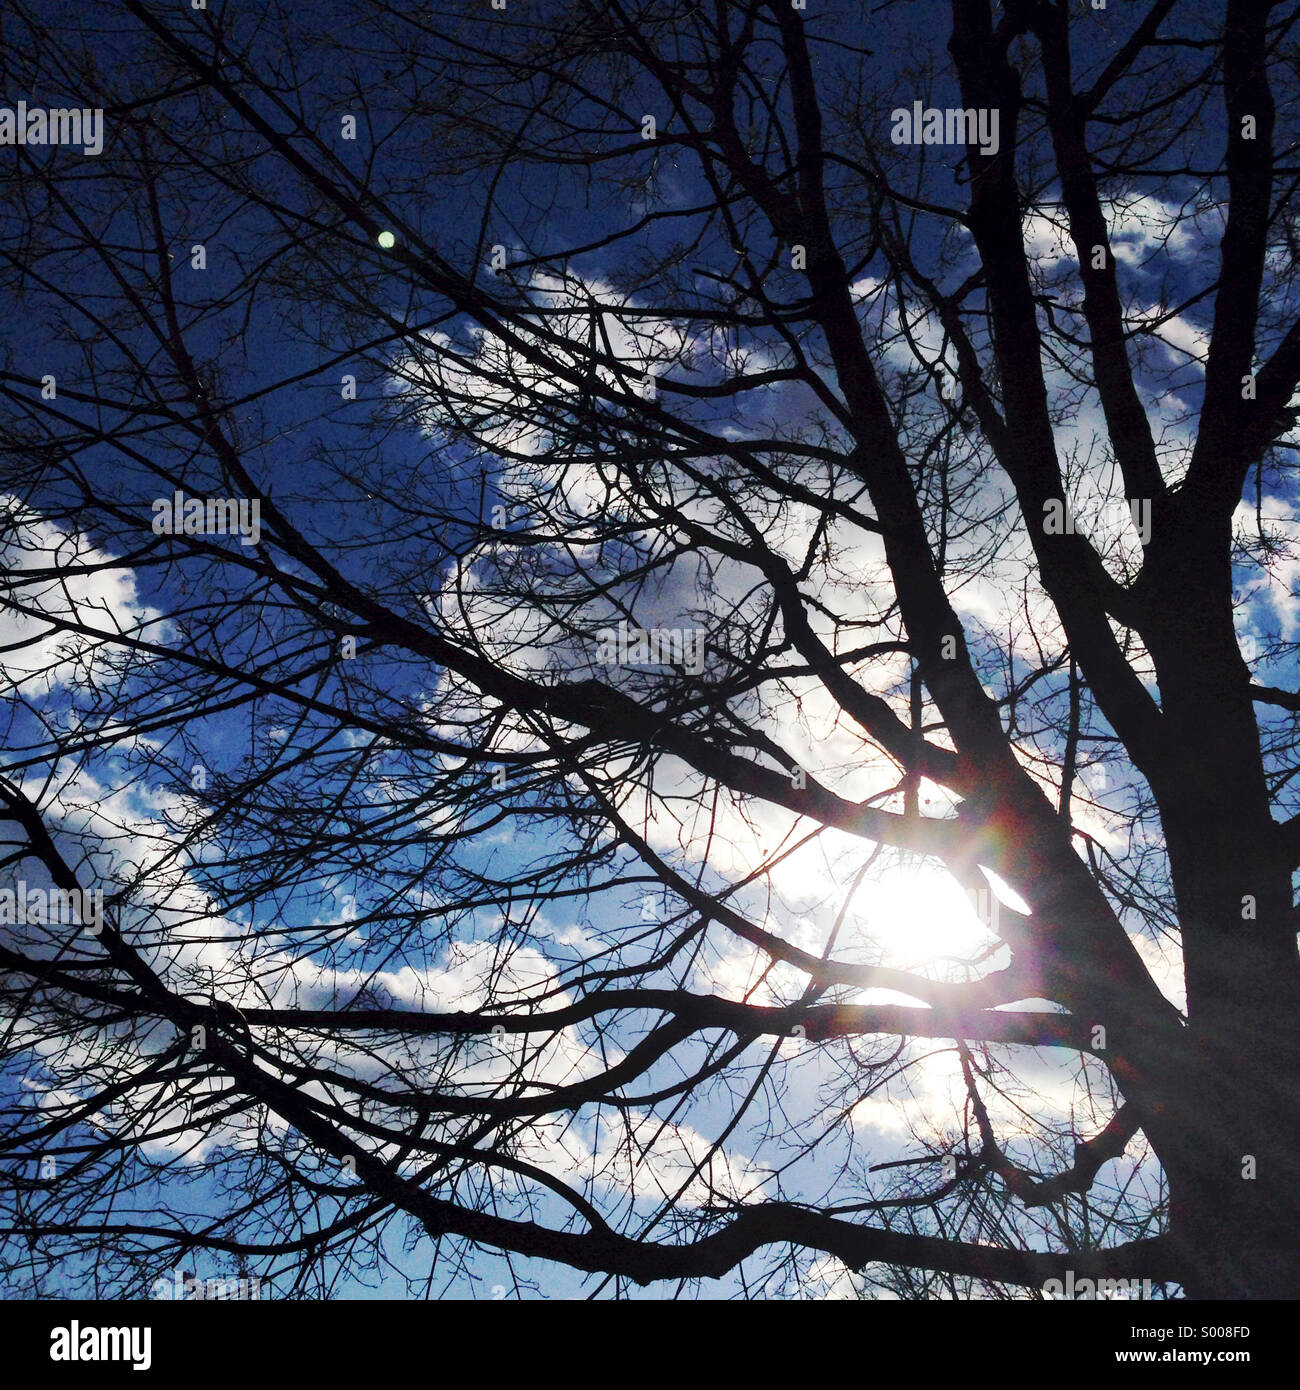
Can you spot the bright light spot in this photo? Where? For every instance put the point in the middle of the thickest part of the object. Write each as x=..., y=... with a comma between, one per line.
x=1007, y=894
x=921, y=918
x=387, y=240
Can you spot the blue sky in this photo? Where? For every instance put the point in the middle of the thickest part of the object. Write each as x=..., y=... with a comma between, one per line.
x=294, y=297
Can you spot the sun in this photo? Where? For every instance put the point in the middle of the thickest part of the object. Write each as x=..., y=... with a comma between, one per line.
x=919, y=918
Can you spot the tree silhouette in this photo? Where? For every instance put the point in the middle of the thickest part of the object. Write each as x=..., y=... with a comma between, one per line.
x=598, y=598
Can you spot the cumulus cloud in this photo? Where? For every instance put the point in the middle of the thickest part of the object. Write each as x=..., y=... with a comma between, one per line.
x=58, y=576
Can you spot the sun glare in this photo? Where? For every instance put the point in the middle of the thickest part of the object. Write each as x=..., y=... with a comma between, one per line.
x=922, y=920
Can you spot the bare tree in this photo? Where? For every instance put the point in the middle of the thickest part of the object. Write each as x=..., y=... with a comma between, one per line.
x=599, y=589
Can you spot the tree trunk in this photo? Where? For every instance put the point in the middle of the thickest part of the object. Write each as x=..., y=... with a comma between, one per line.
x=1229, y=1138
x=1234, y=1175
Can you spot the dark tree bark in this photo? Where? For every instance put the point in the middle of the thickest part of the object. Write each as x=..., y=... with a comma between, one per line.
x=602, y=315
